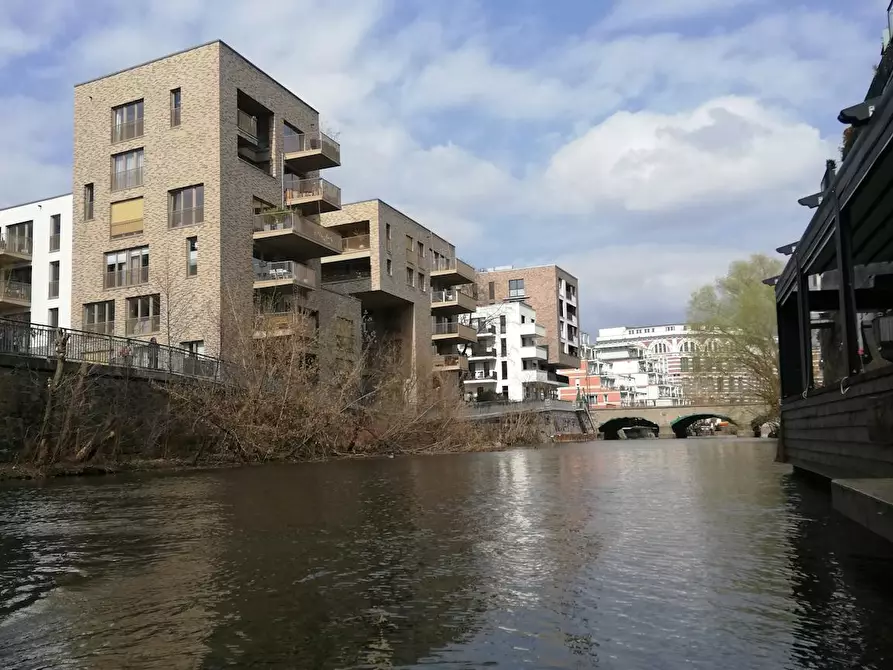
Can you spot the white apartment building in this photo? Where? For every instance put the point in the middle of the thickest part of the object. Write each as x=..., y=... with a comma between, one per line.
x=510, y=360
x=35, y=261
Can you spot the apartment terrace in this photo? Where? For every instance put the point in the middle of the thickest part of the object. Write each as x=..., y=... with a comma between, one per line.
x=452, y=301
x=314, y=195
x=15, y=250
x=481, y=377
x=451, y=363
x=450, y=272
x=308, y=152
x=453, y=332
x=283, y=274
x=287, y=233
x=14, y=295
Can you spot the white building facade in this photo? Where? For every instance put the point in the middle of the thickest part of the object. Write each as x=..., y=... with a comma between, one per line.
x=35, y=261
x=510, y=360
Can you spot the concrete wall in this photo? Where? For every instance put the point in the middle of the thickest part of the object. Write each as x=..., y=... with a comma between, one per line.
x=39, y=213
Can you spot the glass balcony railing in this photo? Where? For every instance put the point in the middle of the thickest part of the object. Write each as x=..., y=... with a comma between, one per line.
x=143, y=325
x=314, y=188
x=127, y=130
x=247, y=123
x=286, y=270
x=318, y=141
x=19, y=244
x=15, y=290
x=355, y=243
x=126, y=277
x=127, y=179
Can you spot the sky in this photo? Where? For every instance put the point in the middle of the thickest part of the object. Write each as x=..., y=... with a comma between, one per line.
x=642, y=145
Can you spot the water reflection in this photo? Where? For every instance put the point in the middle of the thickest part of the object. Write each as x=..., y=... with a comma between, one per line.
x=700, y=553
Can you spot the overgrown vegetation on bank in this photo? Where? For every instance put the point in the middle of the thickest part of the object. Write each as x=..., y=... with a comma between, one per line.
x=281, y=398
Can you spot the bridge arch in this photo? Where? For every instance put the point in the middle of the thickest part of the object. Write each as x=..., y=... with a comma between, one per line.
x=611, y=428
x=681, y=424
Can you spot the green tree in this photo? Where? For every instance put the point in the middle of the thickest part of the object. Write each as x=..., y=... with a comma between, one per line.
x=737, y=316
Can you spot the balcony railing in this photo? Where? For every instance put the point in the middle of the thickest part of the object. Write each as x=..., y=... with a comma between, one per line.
x=454, y=328
x=143, y=325
x=355, y=275
x=247, y=124
x=451, y=361
x=314, y=187
x=127, y=179
x=175, y=115
x=17, y=245
x=187, y=217
x=102, y=327
x=355, y=243
x=482, y=374
x=55, y=242
x=126, y=277
x=453, y=264
x=15, y=290
x=88, y=210
x=286, y=270
x=290, y=220
x=127, y=131
x=317, y=141
x=482, y=352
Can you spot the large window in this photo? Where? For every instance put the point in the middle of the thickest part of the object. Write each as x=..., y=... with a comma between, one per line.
x=176, y=99
x=127, y=170
x=187, y=206
x=55, y=232
x=88, y=202
x=20, y=238
x=143, y=315
x=126, y=218
x=128, y=267
x=516, y=288
x=127, y=121
x=54, y=280
x=99, y=317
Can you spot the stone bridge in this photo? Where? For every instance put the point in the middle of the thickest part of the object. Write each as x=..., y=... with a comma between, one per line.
x=674, y=421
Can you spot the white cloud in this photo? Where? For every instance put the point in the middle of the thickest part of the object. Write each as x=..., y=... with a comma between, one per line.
x=639, y=13
x=727, y=149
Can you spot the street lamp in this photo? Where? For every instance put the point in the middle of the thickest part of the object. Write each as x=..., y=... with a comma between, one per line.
x=860, y=114
x=771, y=281
x=787, y=249
x=811, y=201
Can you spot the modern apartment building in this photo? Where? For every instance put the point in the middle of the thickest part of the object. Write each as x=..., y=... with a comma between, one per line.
x=197, y=200
x=35, y=261
x=510, y=359
x=411, y=285
x=552, y=292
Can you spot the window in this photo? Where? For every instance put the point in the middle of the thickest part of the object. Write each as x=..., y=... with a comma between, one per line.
x=505, y=369
x=408, y=244
x=421, y=250
x=187, y=206
x=175, y=108
x=410, y=277
x=99, y=317
x=128, y=267
x=143, y=315
x=88, y=202
x=53, y=317
x=661, y=348
x=54, y=280
x=422, y=286
x=127, y=170
x=20, y=238
x=502, y=323
x=194, y=347
x=387, y=228
x=502, y=347
x=516, y=288
x=55, y=231
x=688, y=347
x=491, y=290
x=191, y=256
x=685, y=364
x=390, y=267
x=126, y=218
x=127, y=121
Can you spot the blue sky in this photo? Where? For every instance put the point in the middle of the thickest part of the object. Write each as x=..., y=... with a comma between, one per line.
x=642, y=145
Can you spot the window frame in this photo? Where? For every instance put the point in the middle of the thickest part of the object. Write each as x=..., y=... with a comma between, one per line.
x=197, y=212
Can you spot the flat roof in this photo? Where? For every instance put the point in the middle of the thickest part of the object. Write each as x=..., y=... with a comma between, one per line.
x=34, y=202
x=399, y=211
x=527, y=267
x=193, y=48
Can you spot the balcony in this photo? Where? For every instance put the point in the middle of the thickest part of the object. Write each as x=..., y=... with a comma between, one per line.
x=247, y=125
x=281, y=274
x=128, y=130
x=355, y=246
x=450, y=363
x=452, y=301
x=127, y=179
x=531, y=329
x=540, y=377
x=287, y=234
x=453, y=332
x=14, y=295
x=311, y=151
x=131, y=277
x=313, y=196
x=481, y=353
x=143, y=325
x=486, y=331
x=479, y=377
x=280, y=324
x=535, y=353
x=14, y=250
x=451, y=272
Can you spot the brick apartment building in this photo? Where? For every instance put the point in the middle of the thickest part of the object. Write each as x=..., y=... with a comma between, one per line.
x=553, y=294
x=197, y=198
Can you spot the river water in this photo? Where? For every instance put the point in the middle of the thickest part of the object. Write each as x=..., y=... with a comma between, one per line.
x=697, y=553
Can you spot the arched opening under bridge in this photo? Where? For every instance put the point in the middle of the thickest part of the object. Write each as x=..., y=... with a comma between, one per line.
x=611, y=429
x=682, y=424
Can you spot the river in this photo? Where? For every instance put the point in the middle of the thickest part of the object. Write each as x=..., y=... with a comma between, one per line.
x=698, y=553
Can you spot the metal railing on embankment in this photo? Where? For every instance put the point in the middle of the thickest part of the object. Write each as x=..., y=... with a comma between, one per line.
x=20, y=338
x=498, y=408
